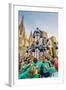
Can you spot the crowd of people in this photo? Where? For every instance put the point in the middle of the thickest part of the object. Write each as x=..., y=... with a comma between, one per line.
x=41, y=58
x=45, y=66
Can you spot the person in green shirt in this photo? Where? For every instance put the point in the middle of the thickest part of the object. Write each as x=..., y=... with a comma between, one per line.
x=37, y=63
x=25, y=67
x=31, y=72
x=47, y=68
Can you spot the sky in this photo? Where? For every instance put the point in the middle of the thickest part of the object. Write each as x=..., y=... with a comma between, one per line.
x=45, y=21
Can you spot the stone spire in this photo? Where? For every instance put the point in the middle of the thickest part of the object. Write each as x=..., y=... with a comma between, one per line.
x=22, y=20
x=21, y=27
x=22, y=33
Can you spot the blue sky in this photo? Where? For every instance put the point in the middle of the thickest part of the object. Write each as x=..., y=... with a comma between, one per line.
x=46, y=21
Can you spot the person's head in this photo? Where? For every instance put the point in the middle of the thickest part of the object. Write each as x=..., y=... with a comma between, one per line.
x=42, y=58
x=35, y=60
x=56, y=57
x=47, y=48
x=25, y=60
x=48, y=57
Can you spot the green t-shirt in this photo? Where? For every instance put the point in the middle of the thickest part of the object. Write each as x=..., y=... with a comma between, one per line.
x=52, y=70
x=25, y=75
x=39, y=64
x=25, y=67
x=47, y=68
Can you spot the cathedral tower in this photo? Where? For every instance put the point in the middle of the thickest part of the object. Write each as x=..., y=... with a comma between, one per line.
x=21, y=32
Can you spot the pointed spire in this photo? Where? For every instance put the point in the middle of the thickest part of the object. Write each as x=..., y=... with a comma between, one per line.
x=22, y=21
x=21, y=27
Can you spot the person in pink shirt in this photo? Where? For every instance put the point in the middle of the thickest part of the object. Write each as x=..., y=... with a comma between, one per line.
x=56, y=63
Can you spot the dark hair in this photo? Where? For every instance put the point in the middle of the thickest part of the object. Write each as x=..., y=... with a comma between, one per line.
x=35, y=58
x=56, y=47
x=47, y=40
x=47, y=48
